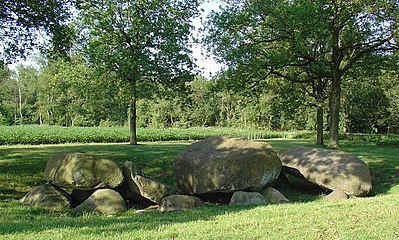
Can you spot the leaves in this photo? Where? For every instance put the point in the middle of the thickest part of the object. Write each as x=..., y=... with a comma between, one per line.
x=140, y=40
x=26, y=25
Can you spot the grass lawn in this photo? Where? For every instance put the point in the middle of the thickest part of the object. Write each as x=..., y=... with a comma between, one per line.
x=307, y=217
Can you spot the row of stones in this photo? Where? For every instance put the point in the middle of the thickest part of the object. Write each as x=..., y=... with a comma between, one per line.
x=214, y=165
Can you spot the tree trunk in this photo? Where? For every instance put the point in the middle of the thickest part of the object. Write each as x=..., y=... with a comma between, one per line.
x=133, y=121
x=21, y=117
x=133, y=113
x=40, y=118
x=320, y=124
x=334, y=111
x=335, y=94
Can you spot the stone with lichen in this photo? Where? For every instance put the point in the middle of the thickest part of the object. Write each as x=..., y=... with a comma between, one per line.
x=105, y=201
x=82, y=172
x=49, y=197
x=179, y=203
x=329, y=169
x=225, y=164
x=140, y=184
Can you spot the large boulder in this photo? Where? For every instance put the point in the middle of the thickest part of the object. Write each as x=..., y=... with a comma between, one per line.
x=145, y=186
x=49, y=197
x=328, y=168
x=179, y=203
x=82, y=172
x=241, y=198
x=106, y=201
x=225, y=164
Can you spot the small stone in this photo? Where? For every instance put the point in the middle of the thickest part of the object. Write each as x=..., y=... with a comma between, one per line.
x=273, y=196
x=336, y=195
x=247, y=198
x=179, y=203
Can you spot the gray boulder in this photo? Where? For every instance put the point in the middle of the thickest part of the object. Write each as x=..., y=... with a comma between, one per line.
x=48, y=197
x=82, y=172
x=336, y=195
x=225, y=164
x=145, y=186
x=273, y=196
x=247, y=198
x=328, y=169
x=106, y=201
x=179, y=203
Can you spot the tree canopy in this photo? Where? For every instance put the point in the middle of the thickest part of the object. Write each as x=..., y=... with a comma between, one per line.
x=26, y=25
x=309, y=42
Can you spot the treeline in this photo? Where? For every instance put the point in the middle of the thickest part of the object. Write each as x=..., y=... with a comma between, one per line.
x=71, y=93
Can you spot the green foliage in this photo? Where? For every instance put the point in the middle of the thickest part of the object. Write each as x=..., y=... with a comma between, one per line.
x=366, y=107
x=71, y=93
x=390, y=82
x=257, y=39
x=23, y=24
x=143, y=43
x=7, y=95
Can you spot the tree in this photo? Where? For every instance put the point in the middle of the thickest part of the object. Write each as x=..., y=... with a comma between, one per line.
x=142, y=42
x=26, y=84
x=390, y=80
x=6, y=95
x=24, y=25
x=311, y=42
x=365, y=106
x=70, y=93
x=204, y=102
x=357, y=29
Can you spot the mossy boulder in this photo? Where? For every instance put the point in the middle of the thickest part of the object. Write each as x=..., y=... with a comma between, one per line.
x=49, y=197
x=225, y=164
x=140, y=184
x=329, y=169
x=82, y=172
x=106, y=201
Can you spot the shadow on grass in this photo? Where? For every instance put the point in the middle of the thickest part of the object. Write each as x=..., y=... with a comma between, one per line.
x=27, y=220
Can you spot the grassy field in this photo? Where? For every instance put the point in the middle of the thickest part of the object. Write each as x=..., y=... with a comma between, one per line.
x=306, y=217
x=35, y=134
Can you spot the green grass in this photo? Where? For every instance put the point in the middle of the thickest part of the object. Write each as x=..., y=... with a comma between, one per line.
x=307, y=217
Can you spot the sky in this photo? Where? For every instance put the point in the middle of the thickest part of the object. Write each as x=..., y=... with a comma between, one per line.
x=207, y=65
